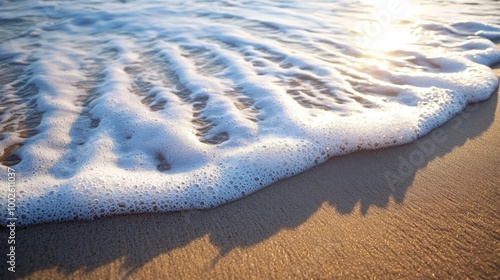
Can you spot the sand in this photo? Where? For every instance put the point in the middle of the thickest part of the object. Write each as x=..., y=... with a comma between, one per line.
x=440, y=218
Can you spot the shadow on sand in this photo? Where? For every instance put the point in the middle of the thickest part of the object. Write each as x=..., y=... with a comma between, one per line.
x=342, y=182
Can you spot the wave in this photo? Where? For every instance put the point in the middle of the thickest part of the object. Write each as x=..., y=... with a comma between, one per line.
x=125, y=107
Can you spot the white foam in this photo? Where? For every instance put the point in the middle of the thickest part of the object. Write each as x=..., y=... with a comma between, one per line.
x=146, y=107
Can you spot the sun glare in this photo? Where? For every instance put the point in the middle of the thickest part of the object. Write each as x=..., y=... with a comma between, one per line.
x=388, y=26
x=394, y=38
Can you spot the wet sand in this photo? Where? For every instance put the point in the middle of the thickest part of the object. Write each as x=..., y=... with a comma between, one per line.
x=422, y=210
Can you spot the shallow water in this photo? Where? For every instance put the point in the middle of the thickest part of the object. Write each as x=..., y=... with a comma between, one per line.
x=126, y=106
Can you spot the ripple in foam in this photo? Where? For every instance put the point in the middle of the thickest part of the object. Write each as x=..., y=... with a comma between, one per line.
x=117, y=108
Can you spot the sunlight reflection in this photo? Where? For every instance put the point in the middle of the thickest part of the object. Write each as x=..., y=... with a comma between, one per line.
x=395, y=38
x=388, y=26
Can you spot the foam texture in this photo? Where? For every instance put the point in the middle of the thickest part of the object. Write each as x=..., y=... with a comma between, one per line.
x=114, y=107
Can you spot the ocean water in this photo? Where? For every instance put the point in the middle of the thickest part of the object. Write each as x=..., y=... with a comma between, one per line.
x=114, y=107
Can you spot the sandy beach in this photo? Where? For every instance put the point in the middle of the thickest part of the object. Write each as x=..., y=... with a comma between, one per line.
x=423, y=210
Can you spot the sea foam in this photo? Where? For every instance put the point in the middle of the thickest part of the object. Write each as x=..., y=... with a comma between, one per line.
x=133, y=106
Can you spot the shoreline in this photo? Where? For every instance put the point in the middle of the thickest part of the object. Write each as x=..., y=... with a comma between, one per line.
x=339, y=219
